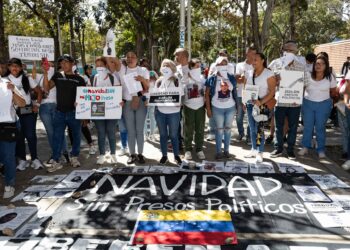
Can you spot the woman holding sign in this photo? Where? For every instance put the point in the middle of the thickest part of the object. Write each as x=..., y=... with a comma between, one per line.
x=266, y=82
x=168, y=117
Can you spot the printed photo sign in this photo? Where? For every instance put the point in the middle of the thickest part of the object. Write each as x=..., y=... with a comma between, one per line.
x=165, y=97
x=291, y=87
x=250, y=93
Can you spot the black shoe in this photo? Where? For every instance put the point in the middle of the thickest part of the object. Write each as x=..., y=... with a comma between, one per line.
x=284, y=139
x=276, y=153
x=132, y=159
x=344, y=156
x=240, y=137
x=141, y=159
x=66, y=156
x=219, y=156
x=163, y=160
x=227, y=155
x=291, y=155
x=269, y=140
x=178, y=160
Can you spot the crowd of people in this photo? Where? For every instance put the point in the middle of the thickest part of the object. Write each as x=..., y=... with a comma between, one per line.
x=216, y=93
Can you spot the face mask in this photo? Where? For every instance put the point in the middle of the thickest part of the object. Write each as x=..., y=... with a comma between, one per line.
x=222, y=70
x=196, y=74
x=288, y=58
x=74, y=68
x=101, y=70
x=166, y=72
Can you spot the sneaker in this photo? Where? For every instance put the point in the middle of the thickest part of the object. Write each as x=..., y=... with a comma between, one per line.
x=251, y=154
x=259, y=157
x=303, y=151
x=22, y=165
x=346, y=165
x=36, y=164
x=219, y=156
x=227, y=155
x=92, y=150
x=54, y=167
x=74, y=162
x=276, y=153
x=163, y=160
x=132, y=159
x=50, y=161
x=321, y=155
x=178, y=160
x=291, y=155
x=269, y=140
x=101, y=160
x=9, y=191
x=141, y=159
x=211, y=137
x=113, y=159
x=201, y=155
x=188, y=155
x=123, y=151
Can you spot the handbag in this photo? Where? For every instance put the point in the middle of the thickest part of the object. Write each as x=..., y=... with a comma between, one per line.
x=28, y=109
x=8, y=131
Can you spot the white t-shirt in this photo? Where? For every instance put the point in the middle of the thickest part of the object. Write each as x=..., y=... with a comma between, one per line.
x=182, y=73
x=39, y=79
x=17, y=81
x=126, y=70
x=12, y=111
x=105, y=81
x=223, y=95
x=242, y=68
x=169, y=84
x=87, y=80
x=318, y=91
x=194, y=93
x=260, y=81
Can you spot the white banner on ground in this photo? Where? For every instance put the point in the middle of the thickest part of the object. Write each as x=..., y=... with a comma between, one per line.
x=165, y=97
x=250, y=93
x=99, y=103
x=291, y=87
x=31, y=48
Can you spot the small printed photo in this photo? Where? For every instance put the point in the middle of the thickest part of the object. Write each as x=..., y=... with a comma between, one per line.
x=224, y=91
x=98, y=109
x=193, y=91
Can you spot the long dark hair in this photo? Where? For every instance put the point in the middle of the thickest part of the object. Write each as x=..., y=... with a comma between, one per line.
x=327, y=72
x=262, y=57
x=25, y=80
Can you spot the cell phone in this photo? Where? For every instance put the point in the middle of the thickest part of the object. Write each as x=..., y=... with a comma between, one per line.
x=45, y=63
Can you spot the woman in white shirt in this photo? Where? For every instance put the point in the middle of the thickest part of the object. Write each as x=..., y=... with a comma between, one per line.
x=105, y=128
x=317, y=105
x=168, y=118
x=264, y=78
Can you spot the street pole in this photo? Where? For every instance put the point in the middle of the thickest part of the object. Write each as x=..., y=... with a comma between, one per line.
x=59, y=28
x=189, y=10
x=182, y=23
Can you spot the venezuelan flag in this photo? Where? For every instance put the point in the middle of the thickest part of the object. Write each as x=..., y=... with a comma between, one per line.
x=193, y=227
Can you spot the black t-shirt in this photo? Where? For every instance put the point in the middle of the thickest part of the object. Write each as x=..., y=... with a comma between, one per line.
x=66, y=87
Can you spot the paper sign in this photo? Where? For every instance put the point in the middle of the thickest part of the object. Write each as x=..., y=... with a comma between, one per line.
x=333, y=219
x=328, y=181
x=98, y=103
x=31, y=48
x=5, y=103
x=165, y=97
x=237, y=167
x=311, y=193
x=291, y=87
x=250, y=92
x=131, y=84
x=324, y=207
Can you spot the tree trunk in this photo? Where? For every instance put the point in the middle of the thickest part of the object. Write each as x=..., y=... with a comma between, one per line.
x=218, y=35
x=244, y=27
x=71, y=31
x=292, y=9
x=82, y=45
x=267, y=23
x=139, y=42
x=255, y=23
x=3, y=48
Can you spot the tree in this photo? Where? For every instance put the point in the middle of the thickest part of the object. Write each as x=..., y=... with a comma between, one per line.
x=3, y=48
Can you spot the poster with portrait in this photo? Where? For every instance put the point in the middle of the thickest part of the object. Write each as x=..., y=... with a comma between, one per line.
x=165, y=96
x=13, y=218
x=250, y=93
x=291, y=88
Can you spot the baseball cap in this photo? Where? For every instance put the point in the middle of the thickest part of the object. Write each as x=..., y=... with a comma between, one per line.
x=66, y=57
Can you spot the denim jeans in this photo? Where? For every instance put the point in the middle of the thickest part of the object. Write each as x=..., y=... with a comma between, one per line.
x=253, y=125
x=123, y=132
x=8, y=158
x=47, y=113
x=343, y=124
x=223, y=118
x=212, y=126
x=315, y=115
x=168, y=126
x=28, y=131
x=61, y=120
x=292, y=114
x=240, y=116
x=106, y=127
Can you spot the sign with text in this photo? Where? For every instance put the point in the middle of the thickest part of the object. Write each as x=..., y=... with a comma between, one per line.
x=31, y=48
x=99, y=103
x=250, y=93
x=165, y=96
x=291, y=87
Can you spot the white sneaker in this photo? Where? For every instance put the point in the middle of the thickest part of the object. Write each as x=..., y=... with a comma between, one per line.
x=188, y=155
x=101, y=160
x=114, y=159
x=8, y=192
x=346, y=165
x=252, y=154
x=22, y=165
x=36, y=164
x=123, y=151
x=211, y=137
x=201, y=155
x=321, y=155
x=259, y=158
x=303, y=151
x=92, y=150
x=74, y=162
x=54, y=167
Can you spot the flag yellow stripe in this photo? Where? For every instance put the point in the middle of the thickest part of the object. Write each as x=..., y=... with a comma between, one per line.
x=184, y=215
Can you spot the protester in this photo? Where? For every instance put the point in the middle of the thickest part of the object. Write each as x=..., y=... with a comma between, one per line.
x=134, y=109
x=194, y=112
x=264, y=78
x=317, y=105
x=66, y=83
x=341, y=114
x=221, y=99
x=87, y=74
x=346, y=65
x=310, y=59
x=27, y=115
x=346, y=91
x=168, y=118
x=7, y=127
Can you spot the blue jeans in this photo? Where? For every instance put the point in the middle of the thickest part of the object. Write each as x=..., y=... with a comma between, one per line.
x=106, y=127
x=28, y=131
x=253, y=125
x=61, y=120
x=240, y=116
x=223, y=122
x=292, y=114
x=315, y=115
x=8, y=158
x=123, y=132
x=47, y=113
x=168, y=126
x=212, y=126
x=343, y=124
